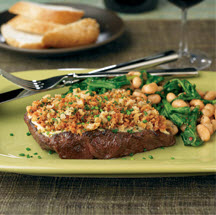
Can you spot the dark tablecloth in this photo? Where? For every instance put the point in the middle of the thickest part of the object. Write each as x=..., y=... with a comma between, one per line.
x=20, y=194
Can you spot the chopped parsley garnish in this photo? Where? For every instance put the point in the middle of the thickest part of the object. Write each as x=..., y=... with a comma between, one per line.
x=96, y=108
x=105, y=97
x=172, y=158
x=145, y=121
x=63, y=96
x=87, y=107
x=95, y=116
x=22, y=154
x=39, y=157
x=131, y=154
x=28, y=149
x=115, y=130
x=28, y=133
x=28, y=156
x=50, y=152
x=162, y=147
x=130, y=131
x=143, y=158
x=70, y=103
x=35, y=153
x=150, y=156
x=11, y=134
x=109, y=118
x=145, y=113
x=132, y=158
x=144, y=150
x=128, y=112
x=115, y=102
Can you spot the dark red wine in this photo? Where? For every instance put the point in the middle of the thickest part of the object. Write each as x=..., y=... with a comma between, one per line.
x=185, y=3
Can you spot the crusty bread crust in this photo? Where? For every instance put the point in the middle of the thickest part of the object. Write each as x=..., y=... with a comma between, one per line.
x=31, y=25
x=79, y=33
x=12, y=39
x=35, y=11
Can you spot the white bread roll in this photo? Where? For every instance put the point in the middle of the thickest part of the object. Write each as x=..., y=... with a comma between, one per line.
x=25, y=24
x=21, y=39
x=79, y=33
x=50, y=13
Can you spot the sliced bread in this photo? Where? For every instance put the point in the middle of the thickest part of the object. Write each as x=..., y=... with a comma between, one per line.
x=50, y=13
x=21, y=39
x=25, y=24
x=79, y=33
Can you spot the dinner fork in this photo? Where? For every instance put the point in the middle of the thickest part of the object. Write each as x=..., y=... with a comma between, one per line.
x=42, y=85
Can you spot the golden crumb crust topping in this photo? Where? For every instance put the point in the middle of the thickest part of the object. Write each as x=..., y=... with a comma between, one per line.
x=83, y=111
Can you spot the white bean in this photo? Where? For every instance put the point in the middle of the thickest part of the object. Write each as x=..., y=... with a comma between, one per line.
x=205, y=120
x=171, y=127
x=134, y=73
x=210, y=127
x=139, y=94
x=179, y=103
x=197, y=102
x=154, y=98
x=210, y=95
x=203, y=132
x=150, y=88
x=213, y=122
x=170, y=97
x=136, y=82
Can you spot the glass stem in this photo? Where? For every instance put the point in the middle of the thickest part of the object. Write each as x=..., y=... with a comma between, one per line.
x=183, y=45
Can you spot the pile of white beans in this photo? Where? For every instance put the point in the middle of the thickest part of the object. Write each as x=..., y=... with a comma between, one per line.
x=206, y=124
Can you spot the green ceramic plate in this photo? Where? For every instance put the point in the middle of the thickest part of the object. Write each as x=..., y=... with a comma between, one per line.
x=187, y=160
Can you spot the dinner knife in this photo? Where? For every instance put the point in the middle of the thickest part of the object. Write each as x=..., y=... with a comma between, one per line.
x=21, y=93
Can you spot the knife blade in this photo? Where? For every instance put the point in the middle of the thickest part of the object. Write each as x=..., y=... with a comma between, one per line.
x=21, y=93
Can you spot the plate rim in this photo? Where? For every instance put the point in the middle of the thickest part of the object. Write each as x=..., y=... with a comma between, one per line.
x=65, y=51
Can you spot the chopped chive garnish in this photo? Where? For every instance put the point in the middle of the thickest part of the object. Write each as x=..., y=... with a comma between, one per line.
x=145, y=121
x=143, y=158
x=131, y=154
x=162, y=147
x=172, y=158
x=11, y=134
x=28, y=133
x=144, y=150
x=28, y=156
x=22, y=154
x=124, y=158
x=28, y=149
x=39, y=157
x=70, y=103
x=150, y=156
x=35, y=153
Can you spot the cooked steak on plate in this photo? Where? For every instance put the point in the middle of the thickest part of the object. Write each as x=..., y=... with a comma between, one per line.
x=86, y=126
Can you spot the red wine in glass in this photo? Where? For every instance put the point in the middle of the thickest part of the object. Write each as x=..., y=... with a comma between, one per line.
x=185, y=3
x=187, y=58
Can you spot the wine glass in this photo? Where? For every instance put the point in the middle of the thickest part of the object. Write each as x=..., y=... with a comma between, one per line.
x=186, y=58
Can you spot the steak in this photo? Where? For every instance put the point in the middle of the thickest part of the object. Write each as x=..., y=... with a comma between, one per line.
x=100, y=144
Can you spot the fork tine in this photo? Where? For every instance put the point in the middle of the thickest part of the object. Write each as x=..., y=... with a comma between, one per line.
x=21, y=82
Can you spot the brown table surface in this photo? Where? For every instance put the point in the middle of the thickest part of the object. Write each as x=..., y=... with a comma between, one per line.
x=21, y=194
